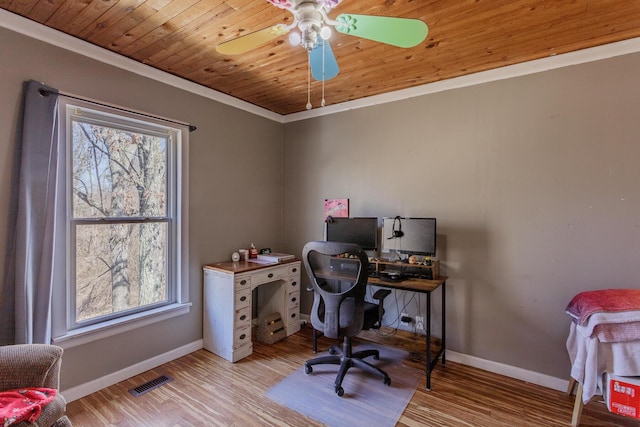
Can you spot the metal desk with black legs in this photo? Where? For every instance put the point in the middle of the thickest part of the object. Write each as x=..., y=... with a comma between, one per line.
x=425, y=286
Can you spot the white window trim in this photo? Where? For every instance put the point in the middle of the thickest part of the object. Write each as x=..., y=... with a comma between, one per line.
x=120, y=325
x=68, y=338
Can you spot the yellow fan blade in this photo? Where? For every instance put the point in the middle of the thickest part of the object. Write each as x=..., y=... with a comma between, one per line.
x=247, y=42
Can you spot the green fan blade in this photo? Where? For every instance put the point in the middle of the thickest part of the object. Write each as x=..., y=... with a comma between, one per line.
x=247, y=42
x=401, y=32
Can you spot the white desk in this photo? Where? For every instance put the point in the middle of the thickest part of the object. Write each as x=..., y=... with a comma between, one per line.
x=229, y=306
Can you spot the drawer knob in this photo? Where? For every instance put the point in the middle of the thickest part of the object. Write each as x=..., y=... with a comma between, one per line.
x=244, y=316
x=243, y=282
x=293, y=315
x=294, y=283
x=243, y=298
x=294, y=299
x=243, y=336
x=270, y=275
x=294, y=269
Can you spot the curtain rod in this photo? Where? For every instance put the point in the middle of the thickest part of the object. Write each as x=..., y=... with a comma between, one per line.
x=46, y=92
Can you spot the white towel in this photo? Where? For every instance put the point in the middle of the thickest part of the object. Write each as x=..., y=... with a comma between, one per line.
x=590, y=358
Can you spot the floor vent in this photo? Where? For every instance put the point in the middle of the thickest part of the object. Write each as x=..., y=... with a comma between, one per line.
x=147, y=387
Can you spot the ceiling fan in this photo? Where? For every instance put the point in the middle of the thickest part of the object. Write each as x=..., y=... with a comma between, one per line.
x=314, y=26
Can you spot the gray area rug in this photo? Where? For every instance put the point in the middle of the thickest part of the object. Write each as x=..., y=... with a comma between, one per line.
x=366, y=401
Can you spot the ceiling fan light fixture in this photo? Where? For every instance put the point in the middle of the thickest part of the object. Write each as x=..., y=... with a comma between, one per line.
x=325, y=32
x=295, y=38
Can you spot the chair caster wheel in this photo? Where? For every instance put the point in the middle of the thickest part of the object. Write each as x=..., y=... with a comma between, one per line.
x=332, y=350
x=387, y=381
x=308, y=369
x=339, y=391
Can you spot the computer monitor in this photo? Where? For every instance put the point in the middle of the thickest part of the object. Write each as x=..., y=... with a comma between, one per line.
x=362, y=231
x=413, y=236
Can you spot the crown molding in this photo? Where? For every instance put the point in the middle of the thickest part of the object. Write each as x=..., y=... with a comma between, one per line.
x=57, y=38
x=516, y=70
x=43, y=33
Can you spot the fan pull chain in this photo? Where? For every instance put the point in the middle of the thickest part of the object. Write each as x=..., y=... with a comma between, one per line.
x=323, y=103
x=308, y=80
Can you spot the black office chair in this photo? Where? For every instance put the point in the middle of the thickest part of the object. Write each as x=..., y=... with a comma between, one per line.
x=338, y=274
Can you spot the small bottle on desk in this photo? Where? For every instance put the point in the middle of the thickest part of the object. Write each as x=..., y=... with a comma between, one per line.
x=253, y=252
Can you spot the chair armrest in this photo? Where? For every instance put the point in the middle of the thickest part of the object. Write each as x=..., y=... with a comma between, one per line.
x=30, y=365
x=381, y=294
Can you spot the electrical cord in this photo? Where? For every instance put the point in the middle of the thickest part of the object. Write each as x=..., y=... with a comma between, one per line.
x=409, y=300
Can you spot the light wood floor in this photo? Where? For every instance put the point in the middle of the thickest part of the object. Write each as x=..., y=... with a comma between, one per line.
x=209, y=391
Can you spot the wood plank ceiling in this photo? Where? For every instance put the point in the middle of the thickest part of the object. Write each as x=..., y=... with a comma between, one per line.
x=465, y=36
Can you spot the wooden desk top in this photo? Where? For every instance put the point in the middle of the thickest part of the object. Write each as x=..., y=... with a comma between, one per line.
x=410, y=283
x=243, y=266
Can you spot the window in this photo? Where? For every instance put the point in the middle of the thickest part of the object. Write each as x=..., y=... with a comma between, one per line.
x=125, y=205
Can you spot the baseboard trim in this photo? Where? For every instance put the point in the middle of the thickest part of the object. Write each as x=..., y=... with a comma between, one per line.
x=86, y=389
x=497, y=368
x=82, y=390
x=508, y=371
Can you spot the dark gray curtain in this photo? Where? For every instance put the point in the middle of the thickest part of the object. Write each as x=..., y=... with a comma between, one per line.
x=30, y=268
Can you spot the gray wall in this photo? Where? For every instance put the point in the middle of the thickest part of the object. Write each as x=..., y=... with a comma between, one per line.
x=235, y=182
x=534, y=182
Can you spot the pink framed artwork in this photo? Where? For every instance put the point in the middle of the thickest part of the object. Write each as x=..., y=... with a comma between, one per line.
x=336, y=208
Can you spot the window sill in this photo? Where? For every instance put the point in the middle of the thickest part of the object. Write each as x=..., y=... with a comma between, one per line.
x=113, y=327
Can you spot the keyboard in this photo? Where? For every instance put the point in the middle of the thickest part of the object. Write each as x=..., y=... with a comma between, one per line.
x=425, y=274
x=392, y=277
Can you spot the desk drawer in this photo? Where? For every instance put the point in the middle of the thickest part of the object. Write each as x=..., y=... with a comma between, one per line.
x=294, y=270
x=270, y=275
x=242, y=317
x=241, y=336
x=242, y=299
x=293, y=299
x=242, y=283
x=293, y=285
x=293, y=321
x=293, y=315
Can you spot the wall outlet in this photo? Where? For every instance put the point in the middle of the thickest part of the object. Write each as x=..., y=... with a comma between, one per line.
x=404, y=316
x=419, y=323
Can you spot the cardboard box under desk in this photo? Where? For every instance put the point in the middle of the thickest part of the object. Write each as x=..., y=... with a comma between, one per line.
x=623, y=395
